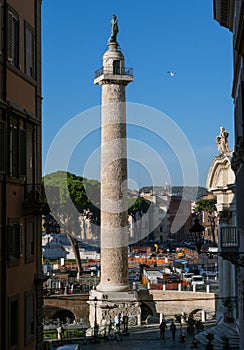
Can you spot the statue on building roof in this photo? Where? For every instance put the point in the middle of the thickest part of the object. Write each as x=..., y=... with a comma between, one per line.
x=222, y=141
x=114, y=30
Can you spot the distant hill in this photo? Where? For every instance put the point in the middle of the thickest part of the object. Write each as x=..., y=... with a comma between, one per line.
x=81, y=190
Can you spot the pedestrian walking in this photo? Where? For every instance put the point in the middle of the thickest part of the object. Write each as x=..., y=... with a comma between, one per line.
x=117, y=321
x=60, y=331
x=125, y=320
x=162, y=328
x=172, y=330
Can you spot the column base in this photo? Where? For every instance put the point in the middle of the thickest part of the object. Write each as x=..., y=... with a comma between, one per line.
x=107, y=287
x=110, y=304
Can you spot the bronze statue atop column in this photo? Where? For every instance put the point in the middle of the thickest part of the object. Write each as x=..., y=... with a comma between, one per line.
x=114, y=30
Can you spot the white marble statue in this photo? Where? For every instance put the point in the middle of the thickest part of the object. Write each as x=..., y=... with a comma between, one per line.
x=222, y=141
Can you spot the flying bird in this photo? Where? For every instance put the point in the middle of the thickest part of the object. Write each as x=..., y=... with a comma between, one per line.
x=171, y=73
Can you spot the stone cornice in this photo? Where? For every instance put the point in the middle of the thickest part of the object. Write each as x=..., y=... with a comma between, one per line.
x=117, y=82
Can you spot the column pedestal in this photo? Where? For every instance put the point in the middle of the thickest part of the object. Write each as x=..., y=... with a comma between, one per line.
x=110, y=304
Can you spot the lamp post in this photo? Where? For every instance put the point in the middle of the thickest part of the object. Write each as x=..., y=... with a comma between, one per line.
x=197, y=235
x=95, y=320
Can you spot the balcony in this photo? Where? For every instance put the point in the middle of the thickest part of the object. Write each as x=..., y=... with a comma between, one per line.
x=115, y=73
x=34, y=198
x=229, y=239
x=229, y=243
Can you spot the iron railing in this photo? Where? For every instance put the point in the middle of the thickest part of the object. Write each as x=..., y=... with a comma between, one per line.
x=229, y=243
x=229, y=237
x=114, y=70
x=34, y=194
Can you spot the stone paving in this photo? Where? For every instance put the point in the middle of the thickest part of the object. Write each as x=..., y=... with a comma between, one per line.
x=142, y=338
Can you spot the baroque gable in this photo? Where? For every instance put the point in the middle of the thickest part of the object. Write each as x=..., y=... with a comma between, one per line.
x=220, y=175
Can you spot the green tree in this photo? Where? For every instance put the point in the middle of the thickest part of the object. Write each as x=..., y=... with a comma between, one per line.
x=137, y=205
x=72, y=192
x=208, y=206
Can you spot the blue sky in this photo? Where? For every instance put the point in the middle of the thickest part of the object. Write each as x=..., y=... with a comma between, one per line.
x=155, y=37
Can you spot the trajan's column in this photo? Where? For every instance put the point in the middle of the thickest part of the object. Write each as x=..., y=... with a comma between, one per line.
x=113, y=295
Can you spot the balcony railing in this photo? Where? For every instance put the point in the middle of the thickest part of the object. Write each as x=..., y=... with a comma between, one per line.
x=114, y=70
x=229, y=238
x=34, y=197
x=229, y=243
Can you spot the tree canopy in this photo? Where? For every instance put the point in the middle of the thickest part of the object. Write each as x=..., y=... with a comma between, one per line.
x=207, y=205
x=83, y=192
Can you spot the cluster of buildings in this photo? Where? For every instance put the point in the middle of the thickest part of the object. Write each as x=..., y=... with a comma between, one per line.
x=21, y=191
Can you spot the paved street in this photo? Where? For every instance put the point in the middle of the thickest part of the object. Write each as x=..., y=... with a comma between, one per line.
x=143, y=338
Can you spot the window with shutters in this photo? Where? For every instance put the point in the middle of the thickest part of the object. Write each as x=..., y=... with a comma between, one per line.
x=29, y=317
x=14, y=243
x=13, y=323
x=17, y=152
x=13, y=38
x=29, y=240
x=29, y=51
x=2, y=146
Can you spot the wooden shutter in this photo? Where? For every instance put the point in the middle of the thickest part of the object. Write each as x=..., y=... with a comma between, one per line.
x=11, y=242
x=2, y=147
x=14, y=155
x=18, y=241
x=10, y=37
x=13, y=38
x=29, y=51
x=14, y=241
x=29, y=317
x=22, y=153
x=29, y=240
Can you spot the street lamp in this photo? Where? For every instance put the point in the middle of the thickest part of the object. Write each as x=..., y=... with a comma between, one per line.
x=197, y=234
x=95, y=319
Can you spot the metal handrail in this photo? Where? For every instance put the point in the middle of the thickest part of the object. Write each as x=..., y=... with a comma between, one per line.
x=114, y=71
x=34, y=193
